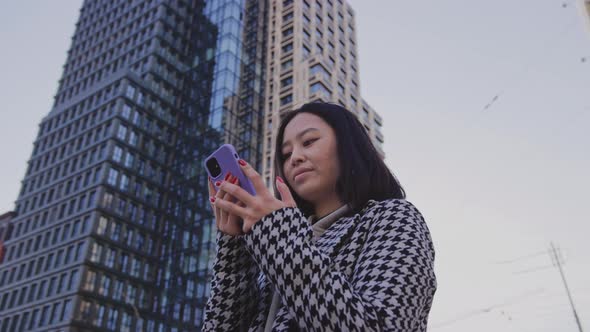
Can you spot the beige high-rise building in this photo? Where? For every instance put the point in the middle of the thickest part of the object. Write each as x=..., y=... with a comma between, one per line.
x=312, y=56
x=584, y=5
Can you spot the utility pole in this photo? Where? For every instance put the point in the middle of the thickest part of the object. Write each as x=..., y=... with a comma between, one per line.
x=558, y=262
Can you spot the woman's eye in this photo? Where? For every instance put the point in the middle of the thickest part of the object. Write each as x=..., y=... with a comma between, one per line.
x=309, y=141
x=286, y=155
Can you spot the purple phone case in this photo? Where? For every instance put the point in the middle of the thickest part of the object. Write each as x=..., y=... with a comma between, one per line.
x=227, y=157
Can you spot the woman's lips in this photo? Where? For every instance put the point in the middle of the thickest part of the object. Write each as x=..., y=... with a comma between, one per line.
x=298, y=176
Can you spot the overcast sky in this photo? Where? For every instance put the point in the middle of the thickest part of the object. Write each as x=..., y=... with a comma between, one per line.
x=496, y=185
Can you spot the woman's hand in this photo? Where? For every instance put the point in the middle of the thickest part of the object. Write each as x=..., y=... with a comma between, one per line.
x=249, y=208
x=227, y=223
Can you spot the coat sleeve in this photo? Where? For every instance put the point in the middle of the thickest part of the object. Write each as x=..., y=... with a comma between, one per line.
x=392, y=285
x=234, y=289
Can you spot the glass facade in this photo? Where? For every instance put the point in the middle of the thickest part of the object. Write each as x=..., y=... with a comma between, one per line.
x=112, y=227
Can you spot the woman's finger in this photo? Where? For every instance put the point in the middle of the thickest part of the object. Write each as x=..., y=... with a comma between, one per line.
x=212, y=190
x=219, y=195
x=232, y=208
x=233, y=224
x=216, y=212
x=285, y=193
x=253, y=176
x=224, y=215
x=212, y=193
x=212, y=198
x=238, y=192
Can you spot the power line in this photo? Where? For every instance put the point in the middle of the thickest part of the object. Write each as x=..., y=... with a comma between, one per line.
x=558, y=262
x=536, y=254
x=534, y=269
x=556, y=259
x=518, y=78
x=488, y=309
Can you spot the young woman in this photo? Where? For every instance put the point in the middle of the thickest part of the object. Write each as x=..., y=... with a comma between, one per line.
x=338, y=248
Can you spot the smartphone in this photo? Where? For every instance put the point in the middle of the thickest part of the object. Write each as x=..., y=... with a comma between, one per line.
x=225, y=160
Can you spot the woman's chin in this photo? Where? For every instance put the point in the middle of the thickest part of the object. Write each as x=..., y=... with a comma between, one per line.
x=308, y=193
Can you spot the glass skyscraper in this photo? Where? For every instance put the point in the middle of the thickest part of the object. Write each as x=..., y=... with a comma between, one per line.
x=112, y=229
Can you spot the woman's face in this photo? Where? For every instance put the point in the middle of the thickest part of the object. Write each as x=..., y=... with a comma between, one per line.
x=311, y=165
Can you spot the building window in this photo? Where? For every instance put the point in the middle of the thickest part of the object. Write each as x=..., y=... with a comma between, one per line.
x=34, y=319
x=319, y=48
x=117, y=153
x=25, y=321
x=96, y=252
x=129, y=160
x=42, y=289
x=107, y=200
x=55, y=313
x=135, y=267
x=118, y=290
x=131, y=292
x=319, y=35
x=125, y=322
x=113, y=175
x=79, y=251
x=104, y=286
x=116, y=231
x=130, y=91
x=122, y=133
x=73, y=279
x=319, y=69
x=306, y=52
x=287, y=32
x=91, y=198
x=287, y=81
x=66, y=309
x=306, y=35
x=49, y=262
x=133, y=138
x=112, y=319
x=288, y=17
x=32, y=293
x=124, y=185
x=110, y=261
x=319, y=88
x=100, y=315
x=331, y=62
x=21, y=298
x=340, y=89
x=124, y=258
x=102, y=225
x=90, y=281
x=287, y=48
x=45, y=316
x=52, y=287
x=286, y=64
x=286, y=99
x=126, y=111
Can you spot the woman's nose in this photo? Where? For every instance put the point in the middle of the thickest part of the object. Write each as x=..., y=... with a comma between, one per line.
x=296, y=157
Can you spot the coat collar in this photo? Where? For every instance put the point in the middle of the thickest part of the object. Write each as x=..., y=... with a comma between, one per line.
x=319, y=226
x=341, y=230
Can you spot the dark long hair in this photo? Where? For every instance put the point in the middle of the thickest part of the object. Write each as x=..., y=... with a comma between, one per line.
x=363, y=176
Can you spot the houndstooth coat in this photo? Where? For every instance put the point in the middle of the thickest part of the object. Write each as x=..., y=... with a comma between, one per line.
x=371, y=271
